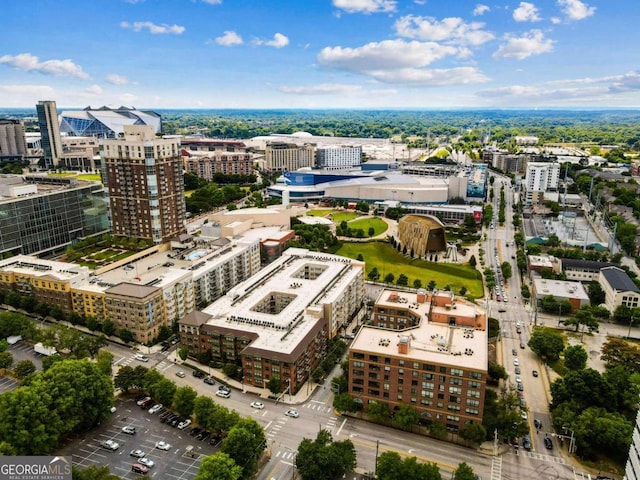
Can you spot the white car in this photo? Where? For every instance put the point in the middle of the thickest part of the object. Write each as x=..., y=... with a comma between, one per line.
x=223, y=394
x=111, y=445
x=516, y=362
x=142, y=358
x=292, y=413
x=180, y=374
x=129, y=430
x=518, y=379
x=163, y=446
x=147, y=462
x=155, y=409
x=258, y=405
x=523, y=414
x=143, y=400
x=185, y=424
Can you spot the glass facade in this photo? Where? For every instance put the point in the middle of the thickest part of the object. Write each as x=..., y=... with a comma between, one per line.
x=50, y=222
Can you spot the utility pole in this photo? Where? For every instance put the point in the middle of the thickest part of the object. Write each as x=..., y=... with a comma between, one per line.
x=375, y=467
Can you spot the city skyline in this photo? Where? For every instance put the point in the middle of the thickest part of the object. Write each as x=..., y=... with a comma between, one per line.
x=365, y=54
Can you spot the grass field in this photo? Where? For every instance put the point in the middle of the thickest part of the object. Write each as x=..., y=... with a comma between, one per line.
x=388, y=260
x=319, y=212
x=90, y=177
x=379, y=226
x=338, y=217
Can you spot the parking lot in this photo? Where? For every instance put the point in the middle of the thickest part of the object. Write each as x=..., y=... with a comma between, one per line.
x=180, y=461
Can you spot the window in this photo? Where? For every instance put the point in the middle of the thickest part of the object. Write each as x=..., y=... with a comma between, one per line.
x=473, y=393
x=473, y=403
x=428, y=385
x=455, y=390
x=474, y=384
x=426, y=394
x=457, y=372
x=456, y=381
x=472, y=411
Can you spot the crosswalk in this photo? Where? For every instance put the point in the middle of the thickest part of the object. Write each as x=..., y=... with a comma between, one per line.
x=541, y=457
x=496, y=467
x=318, y=406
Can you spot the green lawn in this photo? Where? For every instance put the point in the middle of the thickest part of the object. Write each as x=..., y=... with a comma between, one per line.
x=389, y=260
x=319, y=212
x=89, y=177
x=337, y=216
x=379, y=226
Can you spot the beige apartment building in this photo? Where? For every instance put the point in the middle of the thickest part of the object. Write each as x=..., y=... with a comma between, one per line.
x=288, y=157
x=207, y=157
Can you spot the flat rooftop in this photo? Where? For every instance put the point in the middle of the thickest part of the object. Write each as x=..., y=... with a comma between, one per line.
x=284, y=301
x=33, y=266
x=560, y=288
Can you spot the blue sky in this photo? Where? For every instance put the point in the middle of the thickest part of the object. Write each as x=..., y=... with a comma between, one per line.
x=320, y=53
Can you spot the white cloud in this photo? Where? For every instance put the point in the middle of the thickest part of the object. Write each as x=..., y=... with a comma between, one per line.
x=555, y=20
x=365, y=6
x=530, y=43
x=400, y=62
x=35, y=91
x=526, y=12
x=94, y=90
x=480, y=10
x=128, y=98
x=116, y=79
x=385, y=55
x=431, y=77
x=575, y=9
x=154, y=28
x=322, y=89
x=212, y=2
x=229, y=39
x=279, y=40
x=31, y=63
x=451, y=29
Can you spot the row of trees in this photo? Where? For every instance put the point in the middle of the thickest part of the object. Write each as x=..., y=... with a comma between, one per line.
x=314, y=237
x=210, y=196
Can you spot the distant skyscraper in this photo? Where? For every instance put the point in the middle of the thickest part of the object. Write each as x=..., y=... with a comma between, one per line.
x=13, y=144
x=144, y=179
x=50, y=132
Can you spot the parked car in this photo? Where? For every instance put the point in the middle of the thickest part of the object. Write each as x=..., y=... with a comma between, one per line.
x=520, y=387
x=516, y=362
x=140, y=401
x=180, y=374
x=138, y=468
x=198, y=374
x=224, y=388
x=129, y=430
x=537, y=423
x=526, y=442
x=209, y=381
x=548, y=443
x=534, y=373
x=163, y=446
x=110, y=445
x=146, y=404
x=155, y=409
x=223, y=394
x=137, y=453
x=147, y=462
x=185, y=424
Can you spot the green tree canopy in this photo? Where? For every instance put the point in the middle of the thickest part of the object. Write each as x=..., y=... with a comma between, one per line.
x=218, y=466
x=546, y=342
x=324, y=459
x=183, y=401
x=575, y=357
x=392, y=467
x=464, y=472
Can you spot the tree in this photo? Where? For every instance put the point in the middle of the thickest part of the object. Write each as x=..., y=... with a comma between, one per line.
x=617, y=352
x=585, y=317
x=183, y=353
x=104, y=362
x=464, y=472
x=390, y=466
x=126, y=336
x=108, y=327
x=596, y=294
x=496, y=372
x=463, y=291
x=93, y=473
x=344, y=402
x=406, y=416
x=472, y=261
x=325, y=459
x=183, y=401
x=360, y=258
x=575, y=357
x=389, y=278
x=379, y=411
x=473, y=433
x=218, y=466
x=432, y=285
x=274, y=385
x=244, y=443
x=128, y=377
x=373, y=275
x=164, y=391
x=507, y=272
x=417, y=283
x=6, y=360
x=546, y=343
x=205, y=410
x=403, y=280
x=23, y=369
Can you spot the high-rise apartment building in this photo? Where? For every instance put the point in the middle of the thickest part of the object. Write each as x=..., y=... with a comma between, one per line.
x=287, y=157
x=340, y=157
x=50, y=132
x=13, y=144
x=143, y=175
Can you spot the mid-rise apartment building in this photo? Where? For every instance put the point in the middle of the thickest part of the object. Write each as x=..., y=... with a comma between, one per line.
x=340, y=157
x=143, y=176
x=541, y=177
x=424, y=350
x=288, y=157
x=50, y=132
x=207, y=157
x=13, y=142
x=43, y=215
x=632, y=468
x=277, y=323
x=171, y=283
x=618, y=288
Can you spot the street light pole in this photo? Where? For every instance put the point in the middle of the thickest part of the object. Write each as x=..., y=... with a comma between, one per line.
x=630, y=323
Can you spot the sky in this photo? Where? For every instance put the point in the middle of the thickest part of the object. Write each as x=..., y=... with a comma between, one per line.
x=343, y=54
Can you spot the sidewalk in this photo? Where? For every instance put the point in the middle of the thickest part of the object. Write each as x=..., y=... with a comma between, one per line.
x=305, y=391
